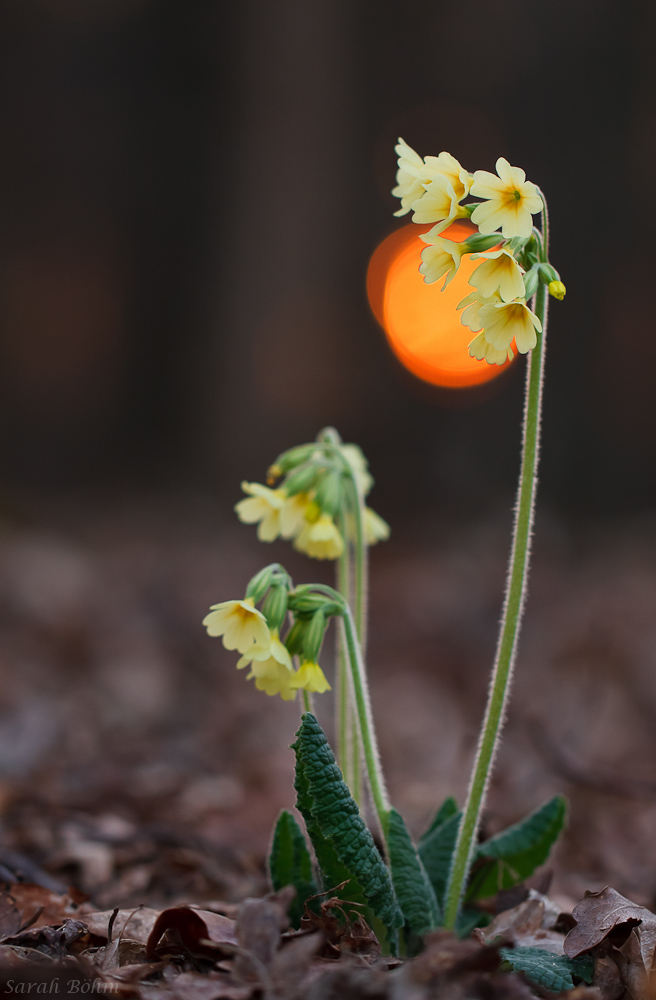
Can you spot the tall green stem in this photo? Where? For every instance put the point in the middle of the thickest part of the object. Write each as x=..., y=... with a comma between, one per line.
x=366, y=725
x=510, y=622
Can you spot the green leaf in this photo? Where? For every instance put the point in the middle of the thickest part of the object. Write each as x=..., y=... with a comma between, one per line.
x=542, y=968
x=448, y=809
x=290, y=864
x=514, y=854
x=436, y=849
x=411, y=883
x=344, y=846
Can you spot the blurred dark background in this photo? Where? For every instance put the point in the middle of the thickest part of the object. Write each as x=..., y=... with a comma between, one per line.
x=190, y=195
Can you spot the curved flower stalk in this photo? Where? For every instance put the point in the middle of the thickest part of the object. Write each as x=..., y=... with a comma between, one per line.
x=315, y=497
x=514, y=271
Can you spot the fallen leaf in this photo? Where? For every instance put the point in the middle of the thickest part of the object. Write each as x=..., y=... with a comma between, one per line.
x=599, y=913
x=194, y=929
x=49, y=908
x=524, y=927
x=260, y=923
x=10, y=918
x=141, y=923
x=52, y=941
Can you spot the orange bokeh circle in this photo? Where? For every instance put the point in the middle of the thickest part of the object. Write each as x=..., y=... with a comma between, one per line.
x=421, y=321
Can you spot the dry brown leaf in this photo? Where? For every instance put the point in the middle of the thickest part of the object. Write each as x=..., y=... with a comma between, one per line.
x=193, y=929
x=141, y=923
x=10, y=918
x=599, y=913
x=260, y=923
x=524, y=927
x=49, y=908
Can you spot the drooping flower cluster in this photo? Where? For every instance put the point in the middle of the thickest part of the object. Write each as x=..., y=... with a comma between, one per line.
x=513, y=261
x=314, y=506
x=255, y=633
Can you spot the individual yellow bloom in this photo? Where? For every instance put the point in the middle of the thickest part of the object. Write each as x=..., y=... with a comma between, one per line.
x=499, y=272
x=375, y=528
x=480, y=349
x=358, y=463
x=442, y=256
x=510, y=202
x=311, y=678
x=438, y=204
x=292, y=515
x=557, y=289
x=320, y=539
x=271, y=668
x=505, y=321
x=472, y=304
x=274, y=678
x=264, y=505
x=411, y=176
x=448, y=167
x=239, y=622
x=272, y=649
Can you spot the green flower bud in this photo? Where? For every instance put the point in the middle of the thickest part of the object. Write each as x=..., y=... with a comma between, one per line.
x=531, y=282
x=302, y=479
x=557, y=289
x=478, y=242
x=290, y=459
x=314, y=637
x=295, y=638
x=274, y=608
x=329, y=494
x=260, y=583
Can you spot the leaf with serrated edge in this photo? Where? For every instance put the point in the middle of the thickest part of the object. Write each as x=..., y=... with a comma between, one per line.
x=411, y=883
x=543, y=968
x=290, y=864
x=513, y=855
x=436, y=851
x=328, y=809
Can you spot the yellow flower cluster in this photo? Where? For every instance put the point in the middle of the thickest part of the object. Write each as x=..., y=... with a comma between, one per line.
x=300, y=516
x=244, y=628
x=433, y=188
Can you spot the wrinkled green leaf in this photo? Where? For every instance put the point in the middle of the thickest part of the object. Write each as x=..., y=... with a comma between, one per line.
x=411, y=883
x=344, y=846
x=542, y=968
x=514, y=854
x=448, y=809
x=290, y=864
x=435, y=851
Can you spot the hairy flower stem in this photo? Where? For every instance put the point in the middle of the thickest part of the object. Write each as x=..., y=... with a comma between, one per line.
x=511, y=619
x=366, y=724
x=348, y=741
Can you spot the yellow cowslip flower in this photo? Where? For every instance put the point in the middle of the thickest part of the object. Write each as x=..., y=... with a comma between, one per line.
x=239, y=622
x=505, y=321
x=320, y=539
x=292, y=515
x=311, y=678
x=510, y=202
x=557, y=289
x=264, y=505
x=439, y=204
x=412, y=175
x=375, y=528
x=448, y=167
x=442, y=256
x=358, y=464
x=480, y=349
x=271, y=667
x=499, y=272
x=472, y=304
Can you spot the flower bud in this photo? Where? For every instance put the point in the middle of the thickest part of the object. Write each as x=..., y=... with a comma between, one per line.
x=274, y=608
x=302, y=479
x=295, y=638
x=531, y=282
x=259, y=584
x=548, y=273
x=557, y=289
x=478, y=242
x=314, y=636
x=329, y=494
x=295, y=456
